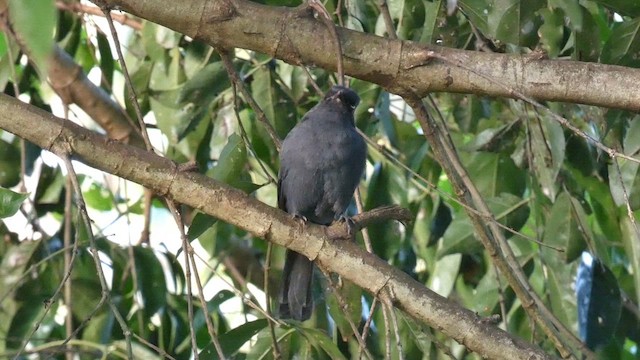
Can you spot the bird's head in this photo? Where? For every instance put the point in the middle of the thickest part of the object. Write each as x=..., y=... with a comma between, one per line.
x=343, y=95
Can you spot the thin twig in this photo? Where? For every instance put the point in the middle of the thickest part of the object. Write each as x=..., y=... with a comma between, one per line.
x=267, y=294
x=501, y=298
x=187, y=275
x=387, y=330
x=388, y=21
x=68, y=255
x=396, y=331
x=132, y=91
x=94, y=10
x=367, y=324
x=237, y=292
x=365, y=231
x=235, y=78
x=245, y=138
x=159, y=350
x=326, y=20
x=94, y=252
x=625, y=195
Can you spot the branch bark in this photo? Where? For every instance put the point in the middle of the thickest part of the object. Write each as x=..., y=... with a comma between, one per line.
x=295, y=36
x=74, y=87
x=237, y=208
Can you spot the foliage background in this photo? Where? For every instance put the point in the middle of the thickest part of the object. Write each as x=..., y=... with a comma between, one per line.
x=543, y=181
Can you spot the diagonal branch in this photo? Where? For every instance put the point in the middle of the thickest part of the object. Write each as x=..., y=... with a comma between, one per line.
x=237, y=208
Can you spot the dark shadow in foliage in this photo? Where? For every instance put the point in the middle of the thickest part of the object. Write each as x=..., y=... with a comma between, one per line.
x=599, y=302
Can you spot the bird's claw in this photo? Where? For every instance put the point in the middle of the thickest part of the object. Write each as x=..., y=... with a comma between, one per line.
x=301, y=218
x=349, y=223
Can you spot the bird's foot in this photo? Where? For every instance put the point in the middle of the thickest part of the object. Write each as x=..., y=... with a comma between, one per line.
x=300, y=218
x=350, y=224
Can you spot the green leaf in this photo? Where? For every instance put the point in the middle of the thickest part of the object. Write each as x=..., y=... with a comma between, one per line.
x=152, y=47
x=623, y=7
x=626, y=183
x=10, y=202
x=561, y=295
x=12, y=268
x=230, y=167
x=585, y=48
x=351, y=296
x=513, y=21
x=509, y=210
x=548, y=150
x=551, y=31
x=98, y=197
x=563, y=228
x=483, y=298
x=100, y=327
x=107, y=65
x=273, y=101
x=22, y=323
x=262, y=348
x=200, y=223
x=232, y=340
x=497, y=139
x=320, y=340
x=205, y=85
x=9, y=164
x=34, y=21
x=50, y=191
x=385, y=188
x=151, y=281
x=231, y=161
x=444, y=275
x=631, y=241
x=623, y=44
x=572, y=10
x=476, y=10
x=489, y=171
x=430, y=26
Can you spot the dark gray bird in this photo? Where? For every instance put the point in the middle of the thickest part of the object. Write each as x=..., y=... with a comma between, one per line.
x=321, y=163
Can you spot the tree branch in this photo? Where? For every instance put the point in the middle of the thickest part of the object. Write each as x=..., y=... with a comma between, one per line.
x=74, y=87
x=237, y=208
x=297, y=38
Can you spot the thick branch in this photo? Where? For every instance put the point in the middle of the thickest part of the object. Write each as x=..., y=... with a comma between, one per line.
x=293, y=35
x=74, y=87
x=261, y=220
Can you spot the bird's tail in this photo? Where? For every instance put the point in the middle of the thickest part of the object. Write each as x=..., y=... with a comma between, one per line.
x=295, y=297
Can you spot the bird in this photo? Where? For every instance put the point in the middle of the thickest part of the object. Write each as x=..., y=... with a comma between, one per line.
x=322, y=161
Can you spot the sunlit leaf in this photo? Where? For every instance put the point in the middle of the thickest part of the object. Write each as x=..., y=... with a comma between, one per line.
x=10, y=202
x=35, y=21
